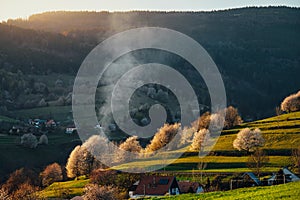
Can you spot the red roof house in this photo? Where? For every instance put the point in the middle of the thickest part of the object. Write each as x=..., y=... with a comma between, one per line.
x=156, y=186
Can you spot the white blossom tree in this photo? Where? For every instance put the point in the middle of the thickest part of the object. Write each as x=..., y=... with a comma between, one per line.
x=129, y=149
x=199, y=140
x=80, y=162
x=202, y=122
x=291, y=103
x=186, y=136
x=101, y=149
x=73, y=162
x=216, y=122
x=249, y=140
x=164, y=135
x=43, y=139
x=232, y=118
x=29, y=140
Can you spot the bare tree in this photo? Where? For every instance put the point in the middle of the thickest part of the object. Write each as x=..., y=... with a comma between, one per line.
x=296, y=159
x=257, y=161
x=199, y=139
x=51, y=174
x=291, y=103
x=248, y=140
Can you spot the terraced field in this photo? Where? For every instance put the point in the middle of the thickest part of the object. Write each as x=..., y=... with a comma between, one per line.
x=282, y=134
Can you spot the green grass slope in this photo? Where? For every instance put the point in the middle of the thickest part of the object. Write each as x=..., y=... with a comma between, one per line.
x=286, y=191
x=282, y=133
x=61, y=189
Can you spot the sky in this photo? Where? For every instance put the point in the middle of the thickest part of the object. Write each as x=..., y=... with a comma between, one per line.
x=11, y=9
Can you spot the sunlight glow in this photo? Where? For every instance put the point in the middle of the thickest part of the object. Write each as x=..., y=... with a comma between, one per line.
x=22, y=9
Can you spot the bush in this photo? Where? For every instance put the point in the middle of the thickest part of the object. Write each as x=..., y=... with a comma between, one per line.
x=25, y=191
x=18, y=178
x=51, y=174
x=113, y=178
x=103, y=177
x=29, y=140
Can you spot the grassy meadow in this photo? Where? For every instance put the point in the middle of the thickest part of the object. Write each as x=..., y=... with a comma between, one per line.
x=67, y=188
x=288, y=191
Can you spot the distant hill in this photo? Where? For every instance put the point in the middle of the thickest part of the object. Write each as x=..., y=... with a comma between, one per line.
x=257, y=50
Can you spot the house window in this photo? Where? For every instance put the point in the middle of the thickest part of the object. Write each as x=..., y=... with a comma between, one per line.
x=173, y=191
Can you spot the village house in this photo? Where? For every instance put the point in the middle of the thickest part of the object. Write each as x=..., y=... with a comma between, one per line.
x=71, y=129
x=156, y=186
x=284, y=175
x=190, y=187
x=247, y=179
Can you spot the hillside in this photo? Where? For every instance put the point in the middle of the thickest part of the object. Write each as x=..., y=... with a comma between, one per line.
x=223, y=159
x=282, y=134
x=279, y=143
x=255, y=49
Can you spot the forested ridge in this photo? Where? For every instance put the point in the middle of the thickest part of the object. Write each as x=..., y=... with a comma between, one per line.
x=255, y=49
